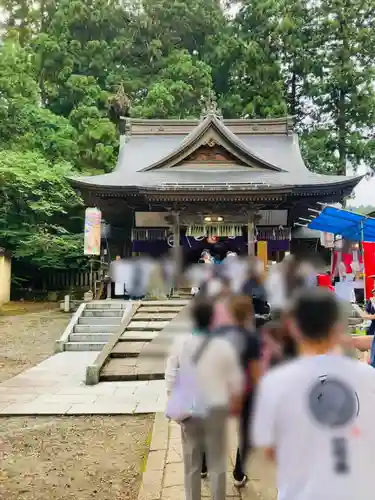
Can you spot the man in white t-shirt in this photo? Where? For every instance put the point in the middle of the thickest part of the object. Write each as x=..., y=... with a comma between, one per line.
x=315, y=415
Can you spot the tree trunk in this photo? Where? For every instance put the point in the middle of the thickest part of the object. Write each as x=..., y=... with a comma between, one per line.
x=341, y=122
x=293, y=94
x=341, y=119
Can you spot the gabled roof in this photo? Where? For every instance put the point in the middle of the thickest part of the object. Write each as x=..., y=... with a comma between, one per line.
x=228, y=140
x=268, y=156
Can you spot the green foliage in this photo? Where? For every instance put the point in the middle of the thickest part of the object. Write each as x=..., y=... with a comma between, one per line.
x=178, y=88
x=342, y=84
x=61, y=60
x=98, y=141
x=36, y=201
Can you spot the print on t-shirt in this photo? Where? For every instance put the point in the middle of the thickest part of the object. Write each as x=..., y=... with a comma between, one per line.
x=334, y=404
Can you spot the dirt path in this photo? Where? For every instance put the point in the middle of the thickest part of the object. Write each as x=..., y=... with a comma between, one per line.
x=72, y=458
x=50, y=458
x=28, y=339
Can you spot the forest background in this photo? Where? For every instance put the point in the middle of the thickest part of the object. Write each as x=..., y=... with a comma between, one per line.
x=62, y=60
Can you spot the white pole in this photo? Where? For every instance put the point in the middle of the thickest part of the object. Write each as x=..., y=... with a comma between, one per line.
x=67, y=303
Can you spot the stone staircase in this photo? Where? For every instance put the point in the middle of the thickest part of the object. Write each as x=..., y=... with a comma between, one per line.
x=95, y=326
x=131, y=357
x=182, y=293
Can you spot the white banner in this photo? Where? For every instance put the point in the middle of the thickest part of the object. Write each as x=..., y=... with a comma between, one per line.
x=93, y=218
x=152, y=219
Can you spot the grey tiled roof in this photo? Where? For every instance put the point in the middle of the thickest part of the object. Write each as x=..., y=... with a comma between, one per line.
x=280, y=151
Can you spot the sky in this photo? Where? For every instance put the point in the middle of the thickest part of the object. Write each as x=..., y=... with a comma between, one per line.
x=364, y=192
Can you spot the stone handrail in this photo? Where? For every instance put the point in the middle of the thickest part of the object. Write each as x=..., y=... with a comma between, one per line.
x=59, y=345
x=93, y=371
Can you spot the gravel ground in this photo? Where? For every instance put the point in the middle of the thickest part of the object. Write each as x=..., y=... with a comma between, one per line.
x=50, y=458
x=72, y=458
x=28, y=339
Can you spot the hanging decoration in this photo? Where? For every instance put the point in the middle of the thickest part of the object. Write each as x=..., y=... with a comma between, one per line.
x=170, y=240
x=92, y=238
x=196, y=231
x=223, y=230
x=214, y=230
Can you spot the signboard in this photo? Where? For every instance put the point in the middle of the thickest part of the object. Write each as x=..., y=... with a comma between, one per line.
x=93, y=218
x=273, y=218
x=152, y=219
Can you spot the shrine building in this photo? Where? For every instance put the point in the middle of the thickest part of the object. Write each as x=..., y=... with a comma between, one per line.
x=195, y=184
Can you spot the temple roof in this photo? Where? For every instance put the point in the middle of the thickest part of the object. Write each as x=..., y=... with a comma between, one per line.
x=211, y=154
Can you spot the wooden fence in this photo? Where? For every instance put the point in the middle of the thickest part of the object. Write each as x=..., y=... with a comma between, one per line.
x=63, y=280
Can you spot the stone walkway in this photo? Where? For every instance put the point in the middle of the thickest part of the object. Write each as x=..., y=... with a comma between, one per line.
x=55, y=387
x=163, y=477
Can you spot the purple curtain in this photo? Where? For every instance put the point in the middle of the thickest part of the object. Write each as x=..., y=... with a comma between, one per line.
x=239, y=243
x=156, y=247
x=278, y=245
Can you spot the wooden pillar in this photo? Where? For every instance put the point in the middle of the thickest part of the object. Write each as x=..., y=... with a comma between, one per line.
x=176, y=246
x=250, y=236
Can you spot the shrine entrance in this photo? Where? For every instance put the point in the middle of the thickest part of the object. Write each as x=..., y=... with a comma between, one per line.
x=214, y=235
x=217, y=246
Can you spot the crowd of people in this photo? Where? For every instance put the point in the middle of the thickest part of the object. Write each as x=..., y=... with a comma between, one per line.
x=264, y=349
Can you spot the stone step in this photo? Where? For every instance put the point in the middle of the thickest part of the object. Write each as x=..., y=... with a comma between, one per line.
x=110, y=304
x=161, y=316
x=355, y=321
x=95, y=313
x=131, y=369
x=147, y=325
x=131, y=336
x=169, y=302
x=159, y=309
x=90, y=337
x=89, y=329
x=127, y=349
x=84, y=346
x=106, y=320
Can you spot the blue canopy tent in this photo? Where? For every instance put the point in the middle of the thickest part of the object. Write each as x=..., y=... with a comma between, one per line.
x=349, y=225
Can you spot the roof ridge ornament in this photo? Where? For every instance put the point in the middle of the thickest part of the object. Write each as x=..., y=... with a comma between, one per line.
x=211, y=108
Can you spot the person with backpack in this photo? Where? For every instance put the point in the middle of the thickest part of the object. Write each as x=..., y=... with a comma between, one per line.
x=242, y=335
x=203, y=369
x=248, y=344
